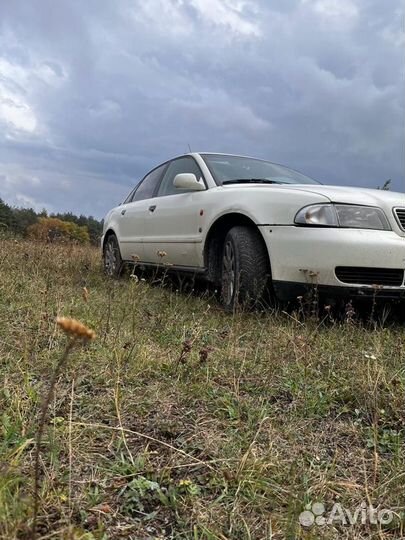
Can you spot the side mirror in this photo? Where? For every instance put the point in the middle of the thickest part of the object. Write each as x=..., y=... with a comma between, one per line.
x=188, y=181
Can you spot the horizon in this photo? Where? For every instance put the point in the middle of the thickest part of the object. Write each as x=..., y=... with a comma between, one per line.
x=100, y=218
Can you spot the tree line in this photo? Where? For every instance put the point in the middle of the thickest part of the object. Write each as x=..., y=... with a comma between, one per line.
x=40, y=225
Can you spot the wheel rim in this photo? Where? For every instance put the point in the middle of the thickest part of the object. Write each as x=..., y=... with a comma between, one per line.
x=228, y=273
x=110, y=258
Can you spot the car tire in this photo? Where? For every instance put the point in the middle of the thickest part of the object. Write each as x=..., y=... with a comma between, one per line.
x=244, y=269
x=112, y=257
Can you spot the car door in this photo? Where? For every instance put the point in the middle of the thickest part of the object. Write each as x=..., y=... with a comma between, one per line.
x=131, y=219
x=172, y=226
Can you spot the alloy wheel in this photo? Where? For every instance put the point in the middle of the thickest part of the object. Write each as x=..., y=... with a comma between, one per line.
x=110, y=257
x=228, y=273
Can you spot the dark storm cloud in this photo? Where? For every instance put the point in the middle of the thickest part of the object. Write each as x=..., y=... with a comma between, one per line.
x=93, y=94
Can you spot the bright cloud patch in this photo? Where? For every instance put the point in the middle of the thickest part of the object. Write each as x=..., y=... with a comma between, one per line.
x=18, y=85
x=228, y=13
x=16, y=113
x=14, y=109
x=341, y=9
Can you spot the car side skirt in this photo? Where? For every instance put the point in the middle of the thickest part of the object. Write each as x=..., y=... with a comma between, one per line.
x=169, y=267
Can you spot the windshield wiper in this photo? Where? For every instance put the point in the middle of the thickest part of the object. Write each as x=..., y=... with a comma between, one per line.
x=251, y=181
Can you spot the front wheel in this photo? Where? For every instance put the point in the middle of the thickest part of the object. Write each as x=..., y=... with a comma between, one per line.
x=112, y=257
x=245, y=268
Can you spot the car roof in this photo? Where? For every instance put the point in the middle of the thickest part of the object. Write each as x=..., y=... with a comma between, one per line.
x=218, y=154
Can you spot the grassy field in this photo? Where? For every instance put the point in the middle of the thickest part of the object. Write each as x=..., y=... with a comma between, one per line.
x=180, y=421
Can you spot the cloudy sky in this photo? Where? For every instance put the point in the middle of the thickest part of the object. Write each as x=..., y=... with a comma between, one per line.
x=93, y=93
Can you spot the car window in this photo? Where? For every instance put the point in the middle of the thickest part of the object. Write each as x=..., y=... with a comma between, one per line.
x=226, y=168
x=148, y=185
x=177, y=166
x=129, y=198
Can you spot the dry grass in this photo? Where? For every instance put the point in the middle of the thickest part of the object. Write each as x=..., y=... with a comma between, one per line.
x=180, y=421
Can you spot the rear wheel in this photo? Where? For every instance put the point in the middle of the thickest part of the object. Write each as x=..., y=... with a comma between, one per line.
x=112, y=257
x=245, y=268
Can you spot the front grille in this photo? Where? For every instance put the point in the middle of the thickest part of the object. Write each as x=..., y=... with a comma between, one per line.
x=370, y=276
x=400, y=214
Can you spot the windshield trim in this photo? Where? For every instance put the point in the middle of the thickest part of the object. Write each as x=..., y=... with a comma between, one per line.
x=205, y=156
x=252, y=181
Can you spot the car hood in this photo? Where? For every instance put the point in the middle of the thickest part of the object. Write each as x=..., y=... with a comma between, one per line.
x=356, y=195
x=307, y=194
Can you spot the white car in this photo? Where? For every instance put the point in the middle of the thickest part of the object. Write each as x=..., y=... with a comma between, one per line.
x=250, y=226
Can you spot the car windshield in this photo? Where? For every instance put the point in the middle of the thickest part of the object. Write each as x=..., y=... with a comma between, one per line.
x=235, y=169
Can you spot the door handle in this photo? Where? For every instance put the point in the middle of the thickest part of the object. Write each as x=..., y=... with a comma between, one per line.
x=152, y=208
x=123, y=211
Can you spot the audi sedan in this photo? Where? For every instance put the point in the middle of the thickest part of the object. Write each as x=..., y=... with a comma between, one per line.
x=252, y=227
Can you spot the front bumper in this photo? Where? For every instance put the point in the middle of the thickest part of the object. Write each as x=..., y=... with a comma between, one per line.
x=308, y=256
x=287, y=291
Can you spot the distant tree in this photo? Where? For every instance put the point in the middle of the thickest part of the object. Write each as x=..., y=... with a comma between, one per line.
x=25, y=221
x=94, y=227
x=51, y=229
x=23, y=218
x=6, y=215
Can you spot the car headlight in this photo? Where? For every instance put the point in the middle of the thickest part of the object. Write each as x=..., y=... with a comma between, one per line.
x=343, y=215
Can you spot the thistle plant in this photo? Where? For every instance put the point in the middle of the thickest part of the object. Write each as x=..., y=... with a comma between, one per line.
x=77, y=332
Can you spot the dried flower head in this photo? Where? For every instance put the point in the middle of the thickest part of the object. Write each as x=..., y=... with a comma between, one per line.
x=135, y=257
x=204, y=353
x=161, y=254
x=75, y=328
